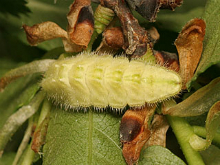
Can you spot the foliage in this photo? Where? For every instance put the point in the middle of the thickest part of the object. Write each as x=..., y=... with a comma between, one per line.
x=95, y=136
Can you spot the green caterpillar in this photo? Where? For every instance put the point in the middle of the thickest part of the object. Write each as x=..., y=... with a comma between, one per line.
x=100, y=81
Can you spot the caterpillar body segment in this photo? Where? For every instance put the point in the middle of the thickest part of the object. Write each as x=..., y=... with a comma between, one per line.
x=101, y=81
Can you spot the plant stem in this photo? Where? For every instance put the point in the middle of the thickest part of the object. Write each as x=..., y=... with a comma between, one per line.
x=24, y=142
x=29, y=156
x=40, y=132
x=44, y=112
x=30, y=68
x=17, y=119
x=93, y=38
x=183, y=132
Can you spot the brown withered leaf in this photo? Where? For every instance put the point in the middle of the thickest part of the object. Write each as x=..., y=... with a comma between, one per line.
x=154, y=35
x=134, y=132
x=43, y=31
x=113, y=37
x=189, y=45
x=78, y=35
x=158, y=131
x=112, y=40
x=47, y=31
x=75, y=9
x=80, y=22
x=39, y=136
x=71, y=47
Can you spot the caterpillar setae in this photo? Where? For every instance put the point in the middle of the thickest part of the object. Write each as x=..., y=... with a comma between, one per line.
x=100, y=81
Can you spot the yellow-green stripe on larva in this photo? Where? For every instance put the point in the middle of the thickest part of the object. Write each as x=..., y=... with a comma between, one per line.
x=101, y=81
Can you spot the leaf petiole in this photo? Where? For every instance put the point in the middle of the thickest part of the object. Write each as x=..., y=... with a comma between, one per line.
x=183, y=132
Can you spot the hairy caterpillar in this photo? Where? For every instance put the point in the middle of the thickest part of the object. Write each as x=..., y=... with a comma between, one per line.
x=101, y=81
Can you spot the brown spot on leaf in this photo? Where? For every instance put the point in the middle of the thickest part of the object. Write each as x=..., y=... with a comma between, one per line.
x=131, y=125
x=134, y=132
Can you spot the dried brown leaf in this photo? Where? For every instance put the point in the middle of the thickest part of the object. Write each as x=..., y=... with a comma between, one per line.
x=189, y=45
x=112, y=40
x=39, y=136
x=43, y=32
x=80, y=22
x=158, y=131
x=47, y=31
x=134, y=132
x=71, y=47
x=80, y=28
x=114, y=37
x=153, y=35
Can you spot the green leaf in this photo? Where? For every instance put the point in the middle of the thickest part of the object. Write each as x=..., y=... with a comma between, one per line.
x=82, y=138
x=14, y=7
x=213, y=122
x=13, y=48
x=18, y=118
x=41, y=11
x=211, y=155
x=7, y=158
x=198, y=143
x=167, y=19
x=211, y=53
x=201, y=131
x=159, y=155
x=6, y=65
x=17, y=94
x=199, y=102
